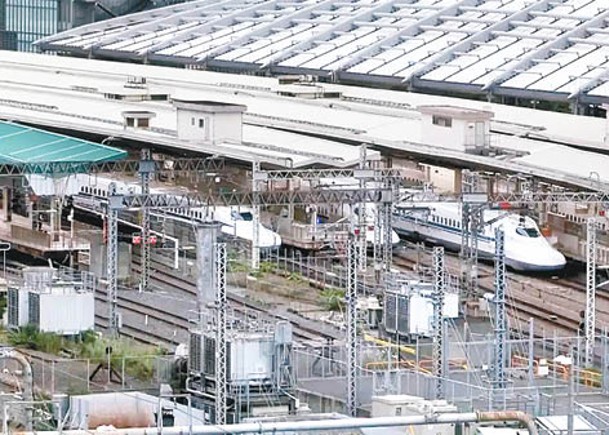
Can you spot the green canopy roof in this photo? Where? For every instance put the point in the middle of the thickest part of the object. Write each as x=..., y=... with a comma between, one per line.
x=22, y=144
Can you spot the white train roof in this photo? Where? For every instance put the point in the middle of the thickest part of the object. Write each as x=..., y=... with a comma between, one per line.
x=551, y=49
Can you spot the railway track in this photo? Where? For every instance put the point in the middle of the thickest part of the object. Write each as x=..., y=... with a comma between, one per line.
x=304, y=329
x=554, y=304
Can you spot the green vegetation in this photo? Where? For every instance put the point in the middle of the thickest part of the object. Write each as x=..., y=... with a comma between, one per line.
x=333, y=299
x=138, y=359
x=295, y=277
x=265, y=267
x=236, y=266
x=30, y=338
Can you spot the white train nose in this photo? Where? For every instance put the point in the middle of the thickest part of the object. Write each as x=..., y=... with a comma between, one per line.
x=550, y=260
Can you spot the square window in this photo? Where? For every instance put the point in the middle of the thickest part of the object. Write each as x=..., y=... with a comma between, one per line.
x=201, y=123
x=442, y=121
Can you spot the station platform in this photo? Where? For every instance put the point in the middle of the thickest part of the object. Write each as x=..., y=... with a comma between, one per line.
x=40, y=243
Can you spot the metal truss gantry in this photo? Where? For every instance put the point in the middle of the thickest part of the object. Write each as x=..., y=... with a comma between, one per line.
x=438, y=357
x=221, y=325
x=352, y=345
x=122, y=202
x=186, y=166
x=590, y=312
x=498, y=374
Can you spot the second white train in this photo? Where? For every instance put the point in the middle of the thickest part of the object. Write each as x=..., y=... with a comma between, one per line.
x=440, y=223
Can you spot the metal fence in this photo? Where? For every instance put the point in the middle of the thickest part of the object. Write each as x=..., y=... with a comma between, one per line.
x=539, y=372
x=74, y=376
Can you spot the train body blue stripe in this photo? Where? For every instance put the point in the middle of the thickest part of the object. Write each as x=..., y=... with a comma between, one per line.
x=442, y=227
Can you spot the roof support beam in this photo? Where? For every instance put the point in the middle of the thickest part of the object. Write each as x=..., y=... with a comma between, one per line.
x=398, y=37
x=471, y=42
x=203, y=28
x=526, y=61
x=185, y=8
x=345, y=24
x=270, y=28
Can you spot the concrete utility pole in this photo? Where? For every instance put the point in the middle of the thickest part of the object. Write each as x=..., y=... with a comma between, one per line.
x=207, y=282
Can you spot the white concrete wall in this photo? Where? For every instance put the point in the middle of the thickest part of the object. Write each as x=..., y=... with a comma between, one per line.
x=227, y=126
x=443, y=179
x=450, y=137
x=188, y=131
x=217, y=127
x=461, y=132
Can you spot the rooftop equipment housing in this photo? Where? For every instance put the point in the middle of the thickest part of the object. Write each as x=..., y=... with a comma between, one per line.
x=59, y=301
x=408, y=311
x=457, y=128
x=209, y=121
x=259, y=370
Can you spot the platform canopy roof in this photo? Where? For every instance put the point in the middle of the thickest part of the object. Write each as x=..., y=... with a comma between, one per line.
x=557, y=50
x=21, y=144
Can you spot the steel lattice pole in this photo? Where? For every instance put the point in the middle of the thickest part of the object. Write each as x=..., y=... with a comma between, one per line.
x=362, y=225
x=378, y=241
x=387, y=237
x=438, y=320
x=255, y=217
x=112, y=261
x=590, y=313
x=500, y=317
x=465, y=248
x=221, y=306
x=146, y=168
x=351, y=300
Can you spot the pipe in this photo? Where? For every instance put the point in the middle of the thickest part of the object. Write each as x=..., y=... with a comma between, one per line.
x=10, y=353
x=336, y=424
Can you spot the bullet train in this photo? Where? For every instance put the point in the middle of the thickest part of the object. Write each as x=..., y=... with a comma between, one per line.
x=439, y=223
x=236, y=221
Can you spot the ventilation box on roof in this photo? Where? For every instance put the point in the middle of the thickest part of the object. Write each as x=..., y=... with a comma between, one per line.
x=304, y=90
x=209, y=121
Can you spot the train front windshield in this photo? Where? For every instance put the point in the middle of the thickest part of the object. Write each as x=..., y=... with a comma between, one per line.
x=527, y=232
x=244, y=216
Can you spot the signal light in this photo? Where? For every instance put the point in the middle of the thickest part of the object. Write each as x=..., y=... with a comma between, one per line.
x=137, y=240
